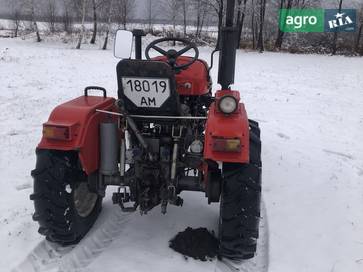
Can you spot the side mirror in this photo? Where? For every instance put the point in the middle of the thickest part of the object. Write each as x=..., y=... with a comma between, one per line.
x=123, y=44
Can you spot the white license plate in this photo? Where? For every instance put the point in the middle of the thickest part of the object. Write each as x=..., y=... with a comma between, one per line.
x=146, y=92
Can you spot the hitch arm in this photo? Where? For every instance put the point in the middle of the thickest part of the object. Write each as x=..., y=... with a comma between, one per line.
x=133, y=127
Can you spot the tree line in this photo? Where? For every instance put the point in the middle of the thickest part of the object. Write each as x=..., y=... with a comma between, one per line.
x=70, y=16
x=256, y=20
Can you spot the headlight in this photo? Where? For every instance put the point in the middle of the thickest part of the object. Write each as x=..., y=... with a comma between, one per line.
x=228, y=104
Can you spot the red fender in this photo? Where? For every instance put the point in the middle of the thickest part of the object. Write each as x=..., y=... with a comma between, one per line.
x=223, y=126
x=80, y=116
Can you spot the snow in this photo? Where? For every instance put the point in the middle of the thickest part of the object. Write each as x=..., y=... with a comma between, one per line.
x=310, y=109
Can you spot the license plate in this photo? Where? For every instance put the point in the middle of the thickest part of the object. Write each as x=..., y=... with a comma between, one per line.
x=146, y=92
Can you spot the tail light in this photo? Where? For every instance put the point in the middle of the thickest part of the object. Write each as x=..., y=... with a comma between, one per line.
x=57, y=132
x=226, y=145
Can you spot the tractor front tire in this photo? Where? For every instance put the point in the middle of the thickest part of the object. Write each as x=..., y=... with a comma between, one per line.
x=240, y=203
x=65, y=209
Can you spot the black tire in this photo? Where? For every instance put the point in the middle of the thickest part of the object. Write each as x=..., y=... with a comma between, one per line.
x=240, y=203
x=58, y=182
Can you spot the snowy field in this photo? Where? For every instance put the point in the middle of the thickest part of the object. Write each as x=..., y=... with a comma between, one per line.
x=310, y=109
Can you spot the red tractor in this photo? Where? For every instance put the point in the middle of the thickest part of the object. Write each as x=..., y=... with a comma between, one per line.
x=166, y=133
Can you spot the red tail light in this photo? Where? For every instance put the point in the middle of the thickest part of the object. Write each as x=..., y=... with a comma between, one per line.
x=226, y=145
x=57, y=132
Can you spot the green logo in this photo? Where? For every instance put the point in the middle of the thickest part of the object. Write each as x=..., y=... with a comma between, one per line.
x=301, y=20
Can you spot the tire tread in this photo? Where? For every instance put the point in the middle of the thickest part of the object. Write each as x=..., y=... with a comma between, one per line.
x=240, y=204
x=54, y=208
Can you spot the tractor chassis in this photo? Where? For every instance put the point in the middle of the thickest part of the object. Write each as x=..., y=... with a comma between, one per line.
x=173, y=186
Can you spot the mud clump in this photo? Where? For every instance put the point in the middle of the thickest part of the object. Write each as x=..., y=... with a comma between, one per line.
x=199, y=244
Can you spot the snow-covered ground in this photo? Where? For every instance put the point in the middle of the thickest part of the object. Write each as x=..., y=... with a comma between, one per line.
x=310, y=109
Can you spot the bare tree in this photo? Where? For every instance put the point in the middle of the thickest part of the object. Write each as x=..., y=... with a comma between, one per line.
x=30, y=8
x=280, y=34
x=205, y=11
x=218, y=7
x=81, y=5
x=185, y=9
x=172, y=8
x=66, y=17
x=335, y=37
x=124, y=10
x=96, y=4
x=253, y=24
x=109, y=21
x=241, y=13
x=16, y=7
x=94, y=33
x=260, y=45
x=50, y=14
x=200, y=8
x=149, y=14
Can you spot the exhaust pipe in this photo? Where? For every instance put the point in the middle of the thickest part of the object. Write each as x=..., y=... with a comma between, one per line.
x=109, y=149
x=228, y=45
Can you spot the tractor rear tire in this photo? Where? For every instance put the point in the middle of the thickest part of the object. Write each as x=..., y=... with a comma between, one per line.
x=64, y=207
x=240, y=203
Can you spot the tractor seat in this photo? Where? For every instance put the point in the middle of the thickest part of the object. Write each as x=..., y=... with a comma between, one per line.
x=147, y=87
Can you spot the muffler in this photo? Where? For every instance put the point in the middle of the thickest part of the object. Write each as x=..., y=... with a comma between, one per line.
x=109, y=149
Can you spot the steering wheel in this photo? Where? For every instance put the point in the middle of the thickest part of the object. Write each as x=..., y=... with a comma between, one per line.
x=172, y=54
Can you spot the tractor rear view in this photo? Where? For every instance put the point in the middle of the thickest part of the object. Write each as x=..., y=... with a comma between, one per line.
x=165, y=134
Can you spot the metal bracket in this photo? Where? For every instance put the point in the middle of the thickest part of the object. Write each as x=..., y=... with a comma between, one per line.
x=177, y=131
x=123, y=197
x=166, y=117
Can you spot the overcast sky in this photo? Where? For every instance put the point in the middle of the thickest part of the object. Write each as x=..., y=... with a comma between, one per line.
x=140, y=5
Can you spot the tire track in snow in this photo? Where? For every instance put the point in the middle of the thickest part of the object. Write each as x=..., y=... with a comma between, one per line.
x=50, y=257
x=44, y=257
x=91, y=247
x=260, y=262
x=341, y=154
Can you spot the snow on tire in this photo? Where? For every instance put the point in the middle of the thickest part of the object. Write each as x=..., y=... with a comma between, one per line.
x=64, y=207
